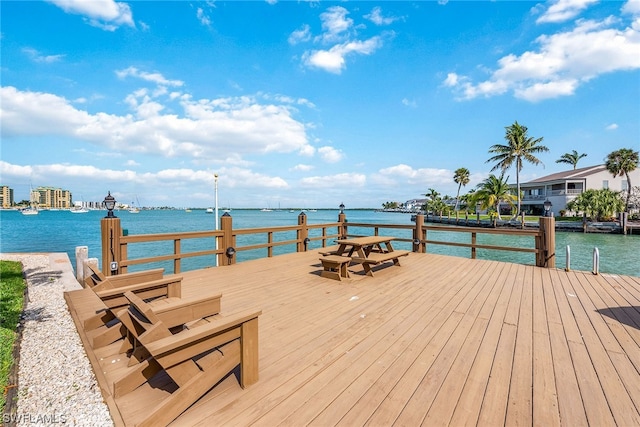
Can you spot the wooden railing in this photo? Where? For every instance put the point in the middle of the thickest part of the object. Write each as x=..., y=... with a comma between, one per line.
x=224, y=245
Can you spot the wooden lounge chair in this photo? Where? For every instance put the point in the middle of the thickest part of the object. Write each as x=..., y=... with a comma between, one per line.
x=163, y=296
x=167, y=373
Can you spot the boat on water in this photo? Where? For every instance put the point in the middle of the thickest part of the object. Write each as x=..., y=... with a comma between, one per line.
x=79, y=210
x=209, y=211
x=133, y=210
x=29, y=211
x=266, y=210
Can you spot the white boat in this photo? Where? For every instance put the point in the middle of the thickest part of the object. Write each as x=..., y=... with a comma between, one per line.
x=133, y=209
x=79, y=209
x=266, y=210
x=29, y=211
x=32, y=209
x=209, y=210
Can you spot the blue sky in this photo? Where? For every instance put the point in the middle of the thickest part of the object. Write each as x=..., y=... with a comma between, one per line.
x=305, y=103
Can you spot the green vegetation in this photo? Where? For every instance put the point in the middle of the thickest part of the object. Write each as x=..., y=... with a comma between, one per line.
x=571, y=158
x=519, y=147
x=12, y=288
x=620, y=163
x=600, y=204
x=461, y=177
x=494, y=190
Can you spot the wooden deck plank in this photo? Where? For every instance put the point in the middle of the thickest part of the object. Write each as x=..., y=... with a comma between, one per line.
x=437, y=341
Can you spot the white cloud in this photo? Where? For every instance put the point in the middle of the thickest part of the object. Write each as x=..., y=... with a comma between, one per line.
x=211, y=129
x=409, y=103
x=330, y=181
x=403, y=173
x=335, y=24
x=340, y=34
x=203, y=17
x=302, y=168
x=632, y=7
x=563, y=10
x=377, y=17
x=612, y=126
x=563, y=62
x=38, y=57
x=301, y=35
x=156, y=78
x=330, y=154
x=105, y=14
x=333, y=60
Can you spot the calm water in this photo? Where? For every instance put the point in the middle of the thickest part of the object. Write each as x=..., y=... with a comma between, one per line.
x=62, y=231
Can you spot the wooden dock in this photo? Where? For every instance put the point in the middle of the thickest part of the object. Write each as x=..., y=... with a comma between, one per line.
x=437, y=341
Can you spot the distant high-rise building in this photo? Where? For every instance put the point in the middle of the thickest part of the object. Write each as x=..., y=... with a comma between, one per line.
x=52, y=198
x=6, y=197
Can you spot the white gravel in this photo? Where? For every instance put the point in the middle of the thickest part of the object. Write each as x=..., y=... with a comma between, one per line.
x=56, y=384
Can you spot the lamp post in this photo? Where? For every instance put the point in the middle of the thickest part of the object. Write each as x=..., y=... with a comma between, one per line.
x=341, y=208
x=109, y=203
x=215, y=177
x=547, y=208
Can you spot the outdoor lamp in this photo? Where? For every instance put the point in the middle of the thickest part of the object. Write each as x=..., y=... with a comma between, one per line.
x=110, y=204
x=306, y=242
x=341, y=208
x=547, y=207
x=230, y=252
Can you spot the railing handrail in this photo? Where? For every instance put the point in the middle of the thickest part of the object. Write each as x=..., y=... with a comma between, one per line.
x=226, y=237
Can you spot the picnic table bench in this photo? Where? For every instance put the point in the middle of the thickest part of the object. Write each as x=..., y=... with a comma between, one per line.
x=368, y=251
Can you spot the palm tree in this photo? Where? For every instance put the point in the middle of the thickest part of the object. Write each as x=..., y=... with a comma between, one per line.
x=431, y=204
x=620, y=163
x=571, y=158
x=494, y=190
x=519, y=147
x=461, y=177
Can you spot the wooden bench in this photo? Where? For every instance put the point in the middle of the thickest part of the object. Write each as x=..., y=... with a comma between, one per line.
x=375, y=258
x=329, y=250
x=335, y=266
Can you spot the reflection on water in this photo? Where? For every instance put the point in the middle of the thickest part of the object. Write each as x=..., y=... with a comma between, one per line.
x=61, y=231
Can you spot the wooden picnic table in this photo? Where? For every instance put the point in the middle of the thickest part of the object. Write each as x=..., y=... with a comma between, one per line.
x=369, y=251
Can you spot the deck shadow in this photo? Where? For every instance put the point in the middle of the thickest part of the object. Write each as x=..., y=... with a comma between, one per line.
x=627, y=315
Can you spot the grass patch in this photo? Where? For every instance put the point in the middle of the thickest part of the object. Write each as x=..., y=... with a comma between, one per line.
x=12, y=286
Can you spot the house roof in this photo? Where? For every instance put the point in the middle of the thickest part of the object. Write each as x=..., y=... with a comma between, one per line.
x=570, y=174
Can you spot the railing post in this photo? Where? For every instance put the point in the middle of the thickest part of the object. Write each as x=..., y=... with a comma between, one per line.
x=547, y=242
x=342, y=228
x=303, y=233
x=417, y=232
x=226, y=225
x=111, y=231
x=473, y=245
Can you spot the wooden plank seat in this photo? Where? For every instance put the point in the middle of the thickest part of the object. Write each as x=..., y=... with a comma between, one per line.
x=157, y=375
x=329, y=250
x=374, y=258
x=97, y=277
x=335, y=266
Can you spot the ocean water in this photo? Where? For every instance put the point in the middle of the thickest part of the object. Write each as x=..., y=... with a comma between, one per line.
x=63, y=231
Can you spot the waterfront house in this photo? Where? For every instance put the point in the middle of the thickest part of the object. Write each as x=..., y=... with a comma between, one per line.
x=562, y=187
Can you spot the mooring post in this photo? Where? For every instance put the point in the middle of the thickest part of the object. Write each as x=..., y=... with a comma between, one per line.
x=111, y=231
x=82, y=253
x=547, y=243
